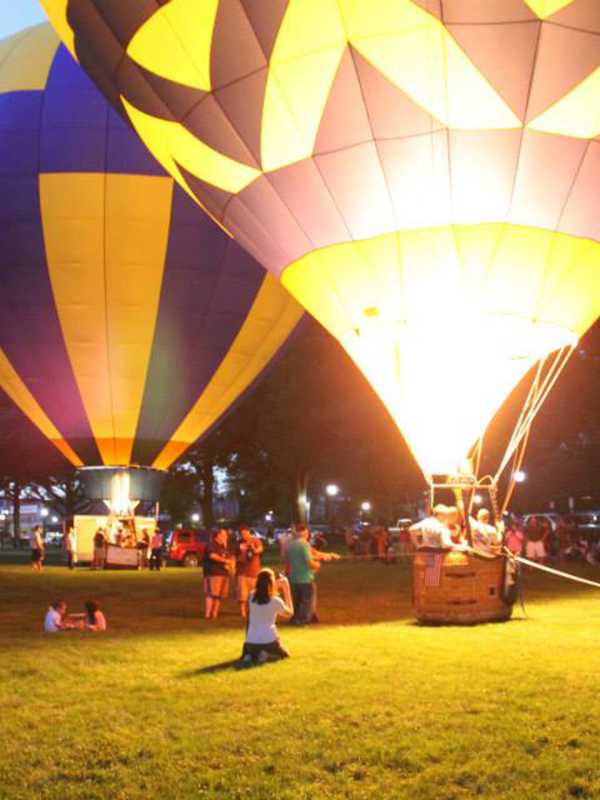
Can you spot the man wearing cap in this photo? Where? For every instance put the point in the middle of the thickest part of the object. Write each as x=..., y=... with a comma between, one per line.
x=433, y=531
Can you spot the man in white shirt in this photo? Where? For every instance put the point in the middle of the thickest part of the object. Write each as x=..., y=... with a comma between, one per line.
x=36, y=543
x=70, y=545
x=433, y=531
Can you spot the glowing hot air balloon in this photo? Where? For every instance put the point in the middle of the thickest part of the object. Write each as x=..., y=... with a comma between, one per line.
x=129, y=322
x=421, y=175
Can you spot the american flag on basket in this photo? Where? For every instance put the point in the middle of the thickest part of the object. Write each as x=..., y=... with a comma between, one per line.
x=433, y=568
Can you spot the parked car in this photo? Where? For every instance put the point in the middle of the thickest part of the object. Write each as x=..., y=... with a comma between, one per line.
x=585, y=522
x=186, y=547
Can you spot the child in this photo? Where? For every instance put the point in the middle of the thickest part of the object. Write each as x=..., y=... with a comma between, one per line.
x=54, y=620
x=262, y=640
x=94, y=618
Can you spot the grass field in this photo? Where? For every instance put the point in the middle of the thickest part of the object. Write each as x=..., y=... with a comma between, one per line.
x=369, y=706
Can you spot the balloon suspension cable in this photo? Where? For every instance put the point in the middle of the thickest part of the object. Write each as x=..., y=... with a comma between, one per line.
x=547, y=374
x=477, y=464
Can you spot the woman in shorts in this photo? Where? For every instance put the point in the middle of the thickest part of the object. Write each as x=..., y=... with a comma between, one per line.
x=218, y=566
x=262, y=640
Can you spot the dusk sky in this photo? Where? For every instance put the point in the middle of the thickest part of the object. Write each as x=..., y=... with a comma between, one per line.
x=20, y=14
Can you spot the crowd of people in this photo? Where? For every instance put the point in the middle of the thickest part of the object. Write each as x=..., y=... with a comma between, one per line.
x=263, y=595
x=226, y=558
x=370, y=540
x=540, y=539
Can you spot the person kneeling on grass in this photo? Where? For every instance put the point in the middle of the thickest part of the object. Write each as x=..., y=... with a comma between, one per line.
x=262, y=640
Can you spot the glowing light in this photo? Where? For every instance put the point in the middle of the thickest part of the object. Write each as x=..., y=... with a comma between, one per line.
x=520, y=476
x=44, y=512
x=120, y=502
x=478, y=499
x=332, y=490
x=195, y=517
x=366, y=506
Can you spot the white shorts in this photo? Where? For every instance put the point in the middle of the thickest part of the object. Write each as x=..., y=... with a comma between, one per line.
x=536, y=550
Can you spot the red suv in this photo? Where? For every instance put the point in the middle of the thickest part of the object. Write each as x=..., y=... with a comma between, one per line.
x=187, y=547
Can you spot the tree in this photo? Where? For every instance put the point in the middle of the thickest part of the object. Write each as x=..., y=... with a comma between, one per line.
x=314, y=419
x=62, y=494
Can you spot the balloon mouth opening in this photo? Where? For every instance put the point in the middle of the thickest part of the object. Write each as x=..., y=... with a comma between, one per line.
x=444, y=375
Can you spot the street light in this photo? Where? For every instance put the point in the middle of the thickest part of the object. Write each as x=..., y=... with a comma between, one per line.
x=366, y=506
x=54, y=520
x=195, y=518
x=332, y=490
x=520, y=476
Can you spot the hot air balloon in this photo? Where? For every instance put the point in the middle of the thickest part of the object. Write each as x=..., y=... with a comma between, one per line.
x=420, y=174
x=130, y=323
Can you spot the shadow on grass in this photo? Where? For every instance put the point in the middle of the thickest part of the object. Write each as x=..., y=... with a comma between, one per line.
x=223, y=666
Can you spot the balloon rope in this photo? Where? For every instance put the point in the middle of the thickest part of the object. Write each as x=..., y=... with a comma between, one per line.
x=558, y=572
x=537, y=394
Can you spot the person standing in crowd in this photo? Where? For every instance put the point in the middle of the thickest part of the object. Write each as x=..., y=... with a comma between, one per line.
x=248, y=553
x=143, y=548
x=36, y=543
x=218, y=565
x=262, y=640
x=535, y=533
x=349, y=539
x=94, y=619
x=70, y=547
x=156, y=544
x=284, y=542
x=380, y=539
x=302, y=567
x=99, y=549
x=514, y=537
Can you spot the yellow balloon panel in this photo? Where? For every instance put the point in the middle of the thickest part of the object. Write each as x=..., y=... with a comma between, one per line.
x=103, y=235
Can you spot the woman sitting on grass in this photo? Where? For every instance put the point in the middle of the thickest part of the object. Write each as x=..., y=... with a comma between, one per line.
x=94, y=618
x=262, y=640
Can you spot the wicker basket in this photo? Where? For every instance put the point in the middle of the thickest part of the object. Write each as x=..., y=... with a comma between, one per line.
x=459, y=588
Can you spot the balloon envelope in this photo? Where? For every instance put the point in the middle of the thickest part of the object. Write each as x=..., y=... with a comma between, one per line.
x=421, y=174
x=129, y=322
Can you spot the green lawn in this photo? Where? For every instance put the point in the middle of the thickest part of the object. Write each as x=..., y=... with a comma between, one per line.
x=369, y=706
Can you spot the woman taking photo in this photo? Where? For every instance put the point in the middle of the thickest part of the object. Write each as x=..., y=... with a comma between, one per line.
x=262, y=640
